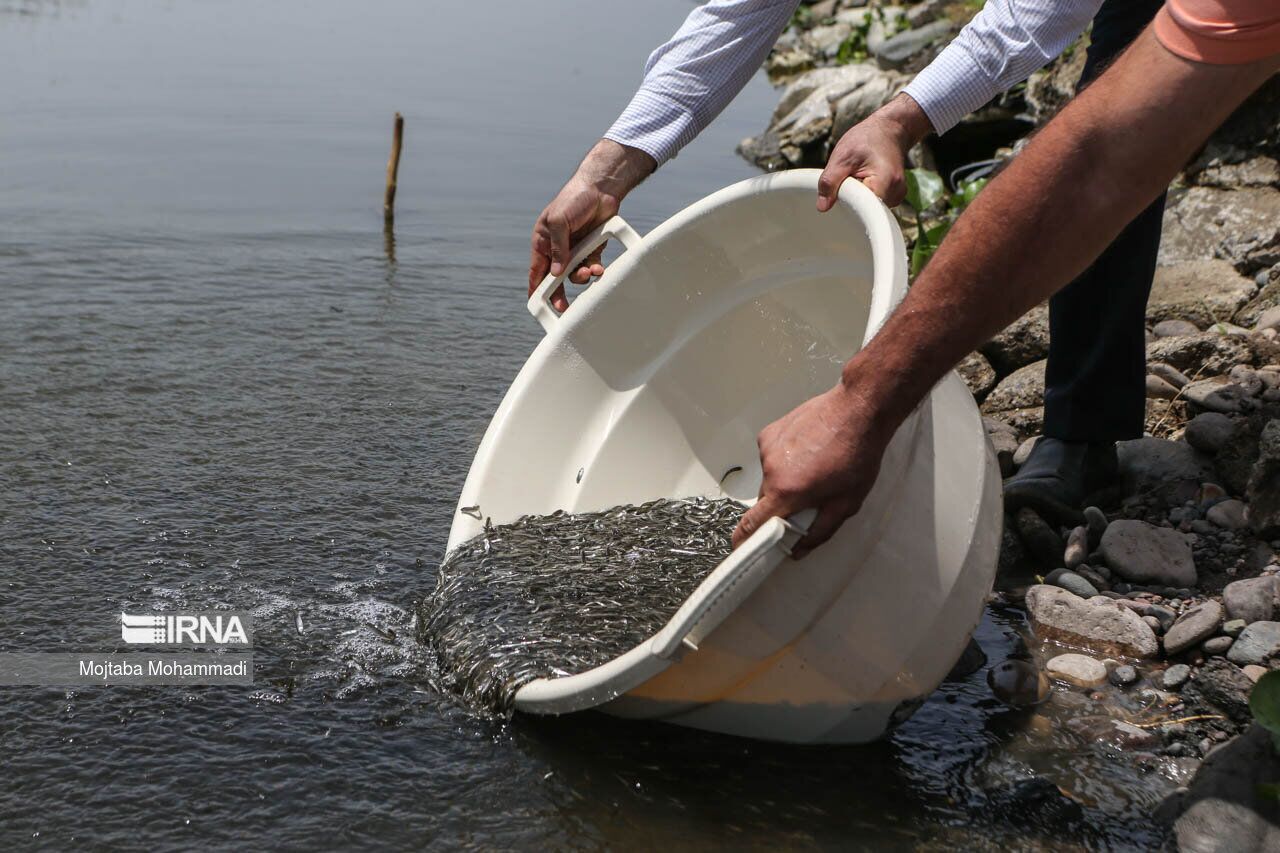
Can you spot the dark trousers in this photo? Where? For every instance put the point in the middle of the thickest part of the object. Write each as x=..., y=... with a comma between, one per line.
x=1095, y=380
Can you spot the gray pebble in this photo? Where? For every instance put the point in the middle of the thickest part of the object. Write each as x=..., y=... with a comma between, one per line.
x=1071, y=582
x=1217, y=645
x=1233, y=627
x=1175, y=676
x=1123, y=676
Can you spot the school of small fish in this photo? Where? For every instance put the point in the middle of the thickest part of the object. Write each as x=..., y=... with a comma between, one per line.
x=556, y=595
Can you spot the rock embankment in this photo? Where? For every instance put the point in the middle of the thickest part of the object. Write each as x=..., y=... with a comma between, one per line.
x=1156, y=610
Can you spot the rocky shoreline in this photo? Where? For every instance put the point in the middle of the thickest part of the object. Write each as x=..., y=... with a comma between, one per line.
x=1154, y=612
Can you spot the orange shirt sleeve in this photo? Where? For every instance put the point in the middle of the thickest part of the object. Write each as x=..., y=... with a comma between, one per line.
x=1220, y=32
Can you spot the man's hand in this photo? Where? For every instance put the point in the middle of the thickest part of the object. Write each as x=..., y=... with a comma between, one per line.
x=823, y=455
x=591, y=197
x=874, y=151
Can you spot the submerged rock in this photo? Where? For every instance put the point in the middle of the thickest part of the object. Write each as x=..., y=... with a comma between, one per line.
x=1018, y=683
x=1080, y=670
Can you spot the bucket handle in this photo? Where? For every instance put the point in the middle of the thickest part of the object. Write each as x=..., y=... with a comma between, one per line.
x=540, y=302
x=731, y=583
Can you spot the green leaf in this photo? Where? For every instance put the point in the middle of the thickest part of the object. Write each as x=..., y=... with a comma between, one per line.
x=966, y=193
x=924, y=188
x=1269, y=790
x=1264, y=702
x=927, y=243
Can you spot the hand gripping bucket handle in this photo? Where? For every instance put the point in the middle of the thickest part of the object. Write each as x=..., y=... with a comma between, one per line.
x=540, y=302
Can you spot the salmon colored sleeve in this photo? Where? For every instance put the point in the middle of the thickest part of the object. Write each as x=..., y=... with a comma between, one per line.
x=1220, y=32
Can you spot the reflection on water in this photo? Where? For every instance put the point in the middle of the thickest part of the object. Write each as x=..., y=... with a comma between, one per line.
x=221, y=384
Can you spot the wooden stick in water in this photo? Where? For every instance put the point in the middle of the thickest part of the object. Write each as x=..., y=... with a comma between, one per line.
x=393, y=169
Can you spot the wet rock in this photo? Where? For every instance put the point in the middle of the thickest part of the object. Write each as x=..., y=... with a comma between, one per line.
x=1077, y=549
x=1252, y=600
x=1225, y=807
x=1108, y=628
x=1042, y=541
x=1080, y=670
x=1204, y=353
x=977, y=373
x=1173, y=328
x=1217, y=394
x=1228, y=514
x=1199, y=291
x=1143, y=553
x=1222, y=686
x=1264, y=482
x=1071, y=582
x=1113, y=732
x=1193, y=627
x=1168, y=470
x=1096, y=520
x=1216, y=646
x=1209, y=431
x=1175, y=676
x=1021, y=389
x=1032, y=804
x=1159, y=389
x=1123, y=675
x=1257, y=643
x=1026, y=340
x=1018, y=683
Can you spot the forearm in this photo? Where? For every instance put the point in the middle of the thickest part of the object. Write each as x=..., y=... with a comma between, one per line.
x=1042, y=221
x=615, y=169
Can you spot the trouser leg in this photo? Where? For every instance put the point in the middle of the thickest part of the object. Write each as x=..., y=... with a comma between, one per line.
x=1095, y=378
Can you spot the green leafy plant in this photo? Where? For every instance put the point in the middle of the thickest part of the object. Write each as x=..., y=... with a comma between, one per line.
x=925, y=190
x=1264, y=704
x=854, y=47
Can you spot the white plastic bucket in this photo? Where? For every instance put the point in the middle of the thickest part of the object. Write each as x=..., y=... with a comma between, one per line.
x=656, y=382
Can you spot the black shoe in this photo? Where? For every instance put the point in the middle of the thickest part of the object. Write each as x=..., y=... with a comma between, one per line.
x=1059, y=475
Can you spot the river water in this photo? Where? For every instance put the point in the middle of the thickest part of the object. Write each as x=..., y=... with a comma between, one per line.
x=220, y=386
